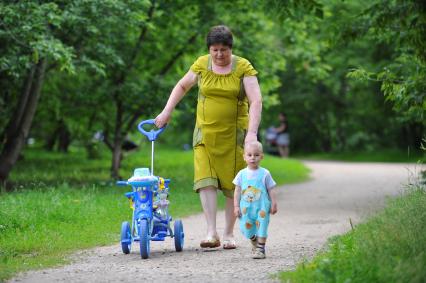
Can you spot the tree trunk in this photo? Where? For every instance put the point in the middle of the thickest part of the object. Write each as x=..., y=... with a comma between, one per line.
x=51, y=140
x=15, y=137
x=118, y=140
x=60, y=137
x=20, y=107
x=116, y=161
x=119, y=81
x=64, y=138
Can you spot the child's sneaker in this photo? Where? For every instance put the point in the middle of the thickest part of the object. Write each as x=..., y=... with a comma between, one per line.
x=253, y=245
x=259, y=253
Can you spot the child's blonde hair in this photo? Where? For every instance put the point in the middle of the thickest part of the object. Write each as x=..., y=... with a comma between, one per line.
x=255, y=144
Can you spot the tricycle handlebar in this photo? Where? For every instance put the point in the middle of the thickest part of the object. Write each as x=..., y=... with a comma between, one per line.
x=151, y=135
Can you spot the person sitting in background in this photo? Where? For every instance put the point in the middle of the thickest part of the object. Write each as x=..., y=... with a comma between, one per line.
x=283, y=136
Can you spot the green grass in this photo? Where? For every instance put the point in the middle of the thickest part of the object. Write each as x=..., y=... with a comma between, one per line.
x=390, y=247
x=385, y=155
x=39, y=227
x=64, y=202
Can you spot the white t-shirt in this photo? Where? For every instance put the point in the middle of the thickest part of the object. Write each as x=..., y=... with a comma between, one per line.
x=253, y=174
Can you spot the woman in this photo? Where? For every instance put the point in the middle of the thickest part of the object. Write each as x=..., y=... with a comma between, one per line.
x=227, y=87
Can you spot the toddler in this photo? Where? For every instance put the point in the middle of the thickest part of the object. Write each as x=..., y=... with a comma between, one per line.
x=254, y=199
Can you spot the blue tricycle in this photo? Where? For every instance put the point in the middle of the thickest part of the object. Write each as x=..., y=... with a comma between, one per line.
x=149, y=201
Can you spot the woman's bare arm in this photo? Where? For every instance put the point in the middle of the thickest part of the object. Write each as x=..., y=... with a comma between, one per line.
x=180, y=89
x=252, y=89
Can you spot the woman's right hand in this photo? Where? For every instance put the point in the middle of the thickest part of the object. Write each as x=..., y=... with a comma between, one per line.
x=178, y=92
x=162, y=119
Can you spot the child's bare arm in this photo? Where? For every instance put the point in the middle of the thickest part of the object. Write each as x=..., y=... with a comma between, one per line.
x=237, y=196
x=273, y=196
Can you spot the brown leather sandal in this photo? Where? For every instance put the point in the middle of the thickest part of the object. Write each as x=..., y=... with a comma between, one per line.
x=229, y=244
x=210, y=243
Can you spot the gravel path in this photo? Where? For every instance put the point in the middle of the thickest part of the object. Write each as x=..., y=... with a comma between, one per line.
x=308, y=214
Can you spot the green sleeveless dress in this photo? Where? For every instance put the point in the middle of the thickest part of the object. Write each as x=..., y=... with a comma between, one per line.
x=221, y=125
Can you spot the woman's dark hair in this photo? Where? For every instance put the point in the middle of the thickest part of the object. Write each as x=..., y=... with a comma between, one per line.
x=219, y=35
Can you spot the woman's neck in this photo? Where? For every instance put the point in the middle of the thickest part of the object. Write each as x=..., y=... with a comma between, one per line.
x=221, y=69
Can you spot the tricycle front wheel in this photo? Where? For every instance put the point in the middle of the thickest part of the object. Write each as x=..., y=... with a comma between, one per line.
x=144, y=234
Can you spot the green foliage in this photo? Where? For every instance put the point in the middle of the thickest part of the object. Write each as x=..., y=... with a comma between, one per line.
x=403, y=83
x=294, y=8
x=113, y=63
x=328, y=111
x=400, y=24
x=390, y=247
x=27, y=29
x=61, y=204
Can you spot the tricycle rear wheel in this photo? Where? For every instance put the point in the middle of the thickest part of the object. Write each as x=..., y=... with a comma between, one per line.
x=179, y=235
x=126, y=237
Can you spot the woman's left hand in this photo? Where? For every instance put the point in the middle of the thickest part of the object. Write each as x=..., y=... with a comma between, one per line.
x=250, y=137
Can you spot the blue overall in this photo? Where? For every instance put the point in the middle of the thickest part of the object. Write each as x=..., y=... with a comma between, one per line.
x=254, y=205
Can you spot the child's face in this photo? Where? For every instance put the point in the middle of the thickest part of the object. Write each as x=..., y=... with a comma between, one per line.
x=252, y=156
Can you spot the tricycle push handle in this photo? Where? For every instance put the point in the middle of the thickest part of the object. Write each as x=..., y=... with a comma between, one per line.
x=151, y=135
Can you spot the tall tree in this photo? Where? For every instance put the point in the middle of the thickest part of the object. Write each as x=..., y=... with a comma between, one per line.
x=26, y=30
x=63, y=34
